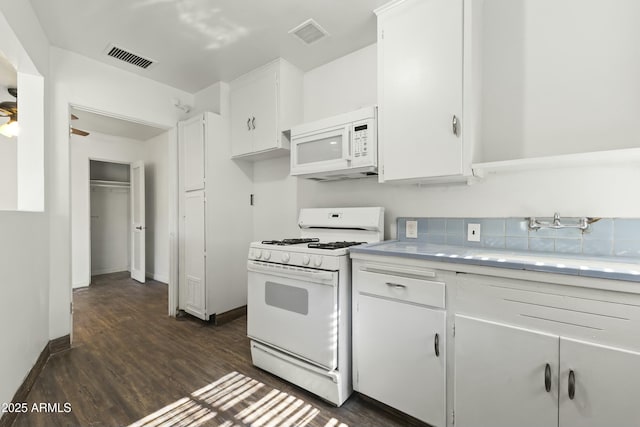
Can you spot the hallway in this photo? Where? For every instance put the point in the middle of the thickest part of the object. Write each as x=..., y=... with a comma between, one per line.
x=131, y=363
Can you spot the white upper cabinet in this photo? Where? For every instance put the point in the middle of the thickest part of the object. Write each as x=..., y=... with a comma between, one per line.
x=264, y=103
x=420, y=90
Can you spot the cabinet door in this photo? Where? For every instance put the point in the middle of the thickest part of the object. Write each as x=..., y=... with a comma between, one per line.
x=193, y=153
x=242, y=98
x=193, y=283
x=265, y=111
x=606, y=383
x=396, y=358
x=420, y=89
x=501, y=375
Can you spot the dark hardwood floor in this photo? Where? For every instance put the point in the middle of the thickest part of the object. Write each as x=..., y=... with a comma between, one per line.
x=131, y=363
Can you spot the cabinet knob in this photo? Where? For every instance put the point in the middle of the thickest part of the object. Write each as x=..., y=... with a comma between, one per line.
x=547, y=378
x=455, y=124
x=253, y=122
x=436, y=344
x=572, y=385
x=249, y=123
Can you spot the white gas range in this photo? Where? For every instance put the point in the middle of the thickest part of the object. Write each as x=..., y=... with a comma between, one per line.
x=299, y=299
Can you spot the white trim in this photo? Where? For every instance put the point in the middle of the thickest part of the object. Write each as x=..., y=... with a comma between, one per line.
x=386, y=7
x=158, y=277
x=109, y=270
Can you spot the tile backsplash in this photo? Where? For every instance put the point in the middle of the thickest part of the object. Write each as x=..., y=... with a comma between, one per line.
x=605, y=237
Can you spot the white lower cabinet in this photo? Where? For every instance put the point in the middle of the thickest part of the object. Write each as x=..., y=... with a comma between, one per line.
x=606, y=383
x=399, y=342
x=500, y=375
x=510, y=376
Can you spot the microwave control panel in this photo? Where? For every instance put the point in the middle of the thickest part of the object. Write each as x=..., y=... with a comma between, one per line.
x=361, y=140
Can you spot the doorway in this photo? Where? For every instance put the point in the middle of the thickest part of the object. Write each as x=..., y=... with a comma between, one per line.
x=111, y=157
x=110, y=211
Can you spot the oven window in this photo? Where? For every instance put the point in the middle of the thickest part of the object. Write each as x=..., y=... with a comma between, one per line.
x=286, y=297
x=320, y=150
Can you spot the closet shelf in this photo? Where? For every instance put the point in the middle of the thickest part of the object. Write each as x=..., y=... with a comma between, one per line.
x=112, y=184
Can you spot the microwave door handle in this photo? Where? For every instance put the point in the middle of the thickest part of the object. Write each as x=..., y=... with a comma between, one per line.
x=347, y=133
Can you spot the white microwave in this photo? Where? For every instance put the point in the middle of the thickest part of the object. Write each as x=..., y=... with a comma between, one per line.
x=339, y=147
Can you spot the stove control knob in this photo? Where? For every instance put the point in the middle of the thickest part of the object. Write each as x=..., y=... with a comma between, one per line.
x=306, y=259
x=258, y=254
x=285, y=257
x=317, y=261
x=267, y=255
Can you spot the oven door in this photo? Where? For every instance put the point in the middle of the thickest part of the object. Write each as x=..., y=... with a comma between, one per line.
x=294, y=309
x=322, y=151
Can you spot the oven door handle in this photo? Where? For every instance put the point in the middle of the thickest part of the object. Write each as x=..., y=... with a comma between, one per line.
x=317, y=276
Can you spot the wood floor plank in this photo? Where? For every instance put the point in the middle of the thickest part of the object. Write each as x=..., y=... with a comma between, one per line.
x=130, y=362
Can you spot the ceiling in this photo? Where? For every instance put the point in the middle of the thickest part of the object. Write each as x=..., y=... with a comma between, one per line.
x=199, y=42
x=93, y=122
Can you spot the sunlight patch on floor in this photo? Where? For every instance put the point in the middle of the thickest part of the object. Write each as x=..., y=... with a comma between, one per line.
x=275, y=409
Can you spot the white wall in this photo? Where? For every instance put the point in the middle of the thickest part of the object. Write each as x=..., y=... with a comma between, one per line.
x=157, y=206
x=77, y=80
x=343, y=85
x=110, y=225
x=560, y=82
x=24, y=243
x=586, y=191
x=96, y=146
x=8, y=173
x=275, y=213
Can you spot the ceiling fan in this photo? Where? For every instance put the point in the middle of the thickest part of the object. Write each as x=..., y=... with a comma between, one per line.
x=77, y=131
x=10, y=109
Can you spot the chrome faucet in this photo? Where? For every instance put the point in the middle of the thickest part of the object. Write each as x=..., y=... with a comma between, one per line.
x=582, y=224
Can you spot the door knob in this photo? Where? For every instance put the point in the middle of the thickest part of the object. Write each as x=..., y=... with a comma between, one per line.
x=140, y=227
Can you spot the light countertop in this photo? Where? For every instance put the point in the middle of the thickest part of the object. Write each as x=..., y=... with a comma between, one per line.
x=577, y=265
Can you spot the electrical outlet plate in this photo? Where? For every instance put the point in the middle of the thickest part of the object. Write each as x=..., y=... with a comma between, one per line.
x=473, y=232
x=411, y=229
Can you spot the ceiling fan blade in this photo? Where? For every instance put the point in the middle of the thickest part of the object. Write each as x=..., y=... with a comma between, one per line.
x=79, y=132
x=74, y=117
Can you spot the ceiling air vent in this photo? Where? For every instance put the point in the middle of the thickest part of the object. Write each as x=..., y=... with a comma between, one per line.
x=309, y=31
x=131, y=58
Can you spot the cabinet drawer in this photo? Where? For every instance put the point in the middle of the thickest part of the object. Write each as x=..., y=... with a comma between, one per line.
x=408, y=286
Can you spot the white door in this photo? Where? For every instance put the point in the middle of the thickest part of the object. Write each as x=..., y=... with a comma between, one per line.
x=401, y=357
x=241, y=112
x=264, y=116
x=138, y=227
x=604, y=383
x=192, y=139
x=502, y=374
x=420, y=89
x=193, y=282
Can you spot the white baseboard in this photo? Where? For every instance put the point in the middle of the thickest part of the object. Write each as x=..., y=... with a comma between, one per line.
x=109, y=270
x=158, y=277
x=80, y=285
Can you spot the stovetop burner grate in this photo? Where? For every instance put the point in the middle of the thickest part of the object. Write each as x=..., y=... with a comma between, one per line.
x=334, y=245
x=286, y=242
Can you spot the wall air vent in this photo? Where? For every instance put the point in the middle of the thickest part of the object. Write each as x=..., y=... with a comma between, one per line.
x=129, y=57
x=309, y=32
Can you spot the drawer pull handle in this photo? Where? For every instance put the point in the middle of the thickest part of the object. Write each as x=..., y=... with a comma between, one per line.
x=572, y=384
x=547, y=378
x=436, y=344
x=395, y=285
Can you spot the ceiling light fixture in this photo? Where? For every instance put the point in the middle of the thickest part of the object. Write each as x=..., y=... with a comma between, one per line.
x=11, y=128
x=10, y=109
